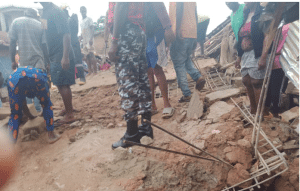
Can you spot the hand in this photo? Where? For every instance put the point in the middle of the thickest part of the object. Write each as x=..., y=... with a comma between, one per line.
x=262, y=63
x=112, y=53
x=65, y=63
x=238, y=63
x=14, y=65
x=169, y=36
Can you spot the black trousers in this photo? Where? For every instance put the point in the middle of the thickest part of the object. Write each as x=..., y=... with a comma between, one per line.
x=274, y=89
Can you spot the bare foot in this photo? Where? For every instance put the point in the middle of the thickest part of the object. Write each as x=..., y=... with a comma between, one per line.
x=53, y=137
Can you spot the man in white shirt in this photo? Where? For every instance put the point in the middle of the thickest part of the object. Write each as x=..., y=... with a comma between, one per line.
x=87, y=36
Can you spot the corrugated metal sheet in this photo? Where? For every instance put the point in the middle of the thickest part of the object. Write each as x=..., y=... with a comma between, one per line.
x=289, y=58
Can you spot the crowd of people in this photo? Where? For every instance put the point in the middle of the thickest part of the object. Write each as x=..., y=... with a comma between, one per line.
x=143, y=34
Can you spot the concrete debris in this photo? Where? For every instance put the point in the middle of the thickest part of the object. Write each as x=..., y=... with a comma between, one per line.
x=195, y=109
x=38, y=124
x=218, y=109
x=239, y=155
x=200, y=144
x=181, y=117
x=145, y=140
x=110, y=126
x=76, y=124
x=4, y=122
x=72, y=139
x=222, y=94
x=237, y=175
x=206, y=63
x=290, y=114
x=244, y=143
x=4, y=112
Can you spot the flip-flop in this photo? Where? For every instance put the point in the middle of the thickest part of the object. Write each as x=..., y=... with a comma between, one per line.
x=54, y=140
x=168, y=112
x=154, y=112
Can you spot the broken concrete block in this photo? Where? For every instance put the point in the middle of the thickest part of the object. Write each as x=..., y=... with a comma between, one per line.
x=238, y=174
x=4, y=112
x=222, y=94
x=206, y=63
x=110, y=126
x=37, y=124
x=244, y=143
x=32, y=109
x=145, y=140
x=181, y=117
x=4, y=122
x=239, y=155
x=218, y=109
x=76, y=124
x=195, y=109
x=290, y=114
x=237, y=81
x=200, y=144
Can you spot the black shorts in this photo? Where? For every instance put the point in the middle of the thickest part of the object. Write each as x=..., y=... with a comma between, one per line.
x=61, y=77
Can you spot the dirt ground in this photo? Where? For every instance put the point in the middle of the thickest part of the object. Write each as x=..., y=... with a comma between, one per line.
x=82, y=160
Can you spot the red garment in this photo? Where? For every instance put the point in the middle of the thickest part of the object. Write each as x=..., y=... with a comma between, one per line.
x=245, y=34
x=110, y=16
x=136, y=14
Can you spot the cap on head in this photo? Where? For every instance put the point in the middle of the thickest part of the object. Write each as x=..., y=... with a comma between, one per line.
x=31, y=13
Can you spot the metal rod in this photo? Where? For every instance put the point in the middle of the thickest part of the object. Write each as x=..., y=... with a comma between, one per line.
x=170, y=151
x=160, y=128
x=264, y=163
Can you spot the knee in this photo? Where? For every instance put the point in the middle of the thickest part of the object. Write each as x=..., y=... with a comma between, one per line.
x=246, y=81
x=257, y=84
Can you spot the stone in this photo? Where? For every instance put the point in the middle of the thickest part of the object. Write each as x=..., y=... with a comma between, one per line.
x=72, y=139
x=231, y=143
x=195, y=109
x=227, y=149
x=237, y=175
x=222, y=94
x=274, y=134
x=181, y=117
x=4, y=122
x=239, y=155
x=37, y=124
x=244, y=143
x=218, y=109
x=99, y=116
x=32, y=109
x=110, y=126
x=290, y=114
x=145, y=140
x=4, y=112
x=200, y=144
x=76, y=124
x=247, y=131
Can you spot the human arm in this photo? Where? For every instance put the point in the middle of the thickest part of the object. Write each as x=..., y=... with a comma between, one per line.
x=12, y=52
x=92, y=33
x=120, y=19
x=65, y=61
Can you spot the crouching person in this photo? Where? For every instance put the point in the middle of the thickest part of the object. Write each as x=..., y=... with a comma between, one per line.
x=30, y=79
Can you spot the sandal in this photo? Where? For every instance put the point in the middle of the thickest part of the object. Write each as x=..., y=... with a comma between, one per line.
x=57, y=137
x=168, y=112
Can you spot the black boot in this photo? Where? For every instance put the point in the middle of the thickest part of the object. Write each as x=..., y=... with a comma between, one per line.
x=145, y=129
x=131, y=134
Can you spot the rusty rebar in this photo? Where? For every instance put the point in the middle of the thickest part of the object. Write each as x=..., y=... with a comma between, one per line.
x=166, y=150
x=160, y=128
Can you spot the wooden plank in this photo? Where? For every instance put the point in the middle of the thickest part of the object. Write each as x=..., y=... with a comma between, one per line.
x=288, y=147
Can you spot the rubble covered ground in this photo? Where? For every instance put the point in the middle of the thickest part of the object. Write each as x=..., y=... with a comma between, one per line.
x=83, y=159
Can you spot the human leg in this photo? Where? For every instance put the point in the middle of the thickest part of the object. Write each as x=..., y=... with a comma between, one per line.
x=66, y=94
x=16, y=98
x=257, y=85
x=247, y=82
x=133, y=97
x=43, y=95
x=275, y=84
x=163, y=85
x=152, y=87
x=178, y=53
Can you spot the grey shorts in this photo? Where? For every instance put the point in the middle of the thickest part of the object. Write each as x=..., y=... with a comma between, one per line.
x=250, y=66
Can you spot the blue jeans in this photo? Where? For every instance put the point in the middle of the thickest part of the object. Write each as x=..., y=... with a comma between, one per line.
x=37, y=104
x=180, y=52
